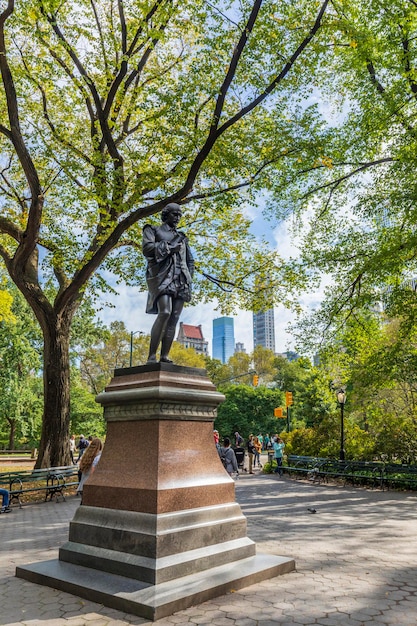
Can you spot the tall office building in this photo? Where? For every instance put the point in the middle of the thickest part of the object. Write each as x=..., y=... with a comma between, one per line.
x=223, y=338
x=264, y=330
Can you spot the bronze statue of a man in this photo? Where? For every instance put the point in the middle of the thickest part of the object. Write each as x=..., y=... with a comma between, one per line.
x=169, y=277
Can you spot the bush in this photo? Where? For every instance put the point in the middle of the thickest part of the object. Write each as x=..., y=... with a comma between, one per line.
x=268, y=468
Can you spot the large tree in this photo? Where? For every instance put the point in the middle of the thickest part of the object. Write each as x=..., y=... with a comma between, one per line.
x=359, y=191
x=109, y=109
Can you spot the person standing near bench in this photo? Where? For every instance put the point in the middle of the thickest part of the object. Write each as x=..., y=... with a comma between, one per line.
x=4, y=493
x=279, y=446
x=88, y=462
x=251, y=452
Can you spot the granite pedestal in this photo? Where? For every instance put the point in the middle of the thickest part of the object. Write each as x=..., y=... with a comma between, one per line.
x=159, y=528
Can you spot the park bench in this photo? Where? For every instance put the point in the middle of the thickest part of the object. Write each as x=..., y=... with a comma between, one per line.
x=330, y=468
x=353, y=472
x=399, y=476
x=365, y=473
x=14, y=452
x=53, y=481
x=302, y=465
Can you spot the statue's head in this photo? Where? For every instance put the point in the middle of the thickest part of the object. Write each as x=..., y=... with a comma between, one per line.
x=169, y=208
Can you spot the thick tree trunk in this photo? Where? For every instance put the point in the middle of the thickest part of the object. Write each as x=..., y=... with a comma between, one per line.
x=54, y=444
x=12, y=433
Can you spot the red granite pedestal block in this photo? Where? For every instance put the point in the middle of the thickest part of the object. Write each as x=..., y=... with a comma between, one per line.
x=159, y=528
x=159, y=455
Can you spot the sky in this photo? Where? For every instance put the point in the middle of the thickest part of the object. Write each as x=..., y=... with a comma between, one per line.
x=129, y=305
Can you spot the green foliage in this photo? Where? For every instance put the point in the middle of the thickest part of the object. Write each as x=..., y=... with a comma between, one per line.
x=374, y=359
x=86, y=414
x=186, y=356
x=247, y=410
x=264, y=363
x=110, y=350
x=324, y=441
x=268, y=467
x=20, y=383
x=239, y=365
x=121, y=120
x=302, y=441
x=6, y=300
x=358, y=188
x=215, y=369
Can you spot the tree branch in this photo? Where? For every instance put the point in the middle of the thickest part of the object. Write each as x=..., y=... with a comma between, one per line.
x=48, y=120
x=382, y=91
x=100, y=31
x=28, y=241
x=8, y=228
x=122, y=25
x=338, y=181
x=287, y=67
x=407, y=66
x=215, y=130
x=114, y=153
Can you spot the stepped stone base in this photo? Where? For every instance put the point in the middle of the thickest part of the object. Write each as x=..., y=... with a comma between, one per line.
x=159, y=528
x=154, y=601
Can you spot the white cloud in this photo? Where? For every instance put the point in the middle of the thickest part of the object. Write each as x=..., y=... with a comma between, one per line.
x=129, y=307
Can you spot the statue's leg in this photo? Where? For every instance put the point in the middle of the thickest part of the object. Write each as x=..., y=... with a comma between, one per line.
x=164, y=305
x=168, y=338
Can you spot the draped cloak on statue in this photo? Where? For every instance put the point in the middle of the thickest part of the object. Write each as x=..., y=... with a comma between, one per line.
x=168, y=272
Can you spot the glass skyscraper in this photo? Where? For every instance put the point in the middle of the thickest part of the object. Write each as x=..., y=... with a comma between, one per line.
x=223, y=338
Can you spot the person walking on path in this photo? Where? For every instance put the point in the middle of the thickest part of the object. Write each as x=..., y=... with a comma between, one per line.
x=279, y=446
x=82, y=446
x=238, y=440
x=228, y=457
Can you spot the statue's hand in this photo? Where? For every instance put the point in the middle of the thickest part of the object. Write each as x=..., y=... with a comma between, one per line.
x=175, y=247
x=176, y=243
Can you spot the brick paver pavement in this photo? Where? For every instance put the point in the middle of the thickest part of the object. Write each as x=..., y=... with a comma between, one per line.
x=356, y=561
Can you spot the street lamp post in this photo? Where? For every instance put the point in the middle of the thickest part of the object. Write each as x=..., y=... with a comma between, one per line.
x=341, y=398
x=137, y=332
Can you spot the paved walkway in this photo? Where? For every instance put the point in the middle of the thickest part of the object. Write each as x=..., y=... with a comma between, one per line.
x=356, y=561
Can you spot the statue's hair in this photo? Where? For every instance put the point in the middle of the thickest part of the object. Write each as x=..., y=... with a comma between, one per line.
x=172, y=206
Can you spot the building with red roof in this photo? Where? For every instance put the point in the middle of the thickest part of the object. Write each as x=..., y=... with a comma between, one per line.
x=192, y=337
